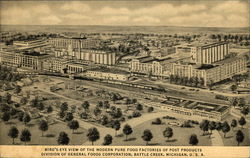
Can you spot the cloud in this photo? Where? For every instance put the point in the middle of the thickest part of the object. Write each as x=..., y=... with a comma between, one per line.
x=221, y=13
x=76, y=6
x=209, y=20
x=157, y=10
x=76, y=16
x=50, y=20
x=145, y=20
x=40, y=9
x=23, y=15
x=116, y=19
x=231, y=7
x=114, y=11
x=9, y=16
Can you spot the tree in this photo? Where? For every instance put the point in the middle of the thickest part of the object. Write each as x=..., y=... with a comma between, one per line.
x=218, y=126
x=147, y=136
x=234, y=123
x=23, y=100
x=108, y=139
x=69, y=116
x=85, y=105
x=97, y=111
x=106, y=104
x=20, y=116
x=40, y=106
x=233, y=87
x=245, y=110
x=34, y=102
x=93, y=135
x=26, y=118
x=116, y=126
x=43, y=126
x=127, y=130
x=64, y=106
x=193, y=140
x=134, y=101
x=49, y=109
x=242, y=121
x=63, y=139
x=239, y=137
x=168, y=132
x=211, y=126
x=139, y=107
x=242, y=102
x=100, y=104
x=234, y=101
x=61, y=114
x=204, y=126
x=17, y=89
x=74, y=125
x=6, y=116
x=7, y=97
x=150, y=109
x=116, y=113
x=104, y=120
x=225, y=128
x=13, y=133
x=25, y=136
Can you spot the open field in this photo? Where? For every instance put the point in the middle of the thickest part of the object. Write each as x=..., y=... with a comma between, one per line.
x=180, y=137
x=49, y=138
x=230, y=136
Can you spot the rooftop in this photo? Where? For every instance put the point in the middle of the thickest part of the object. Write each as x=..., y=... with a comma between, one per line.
x=109, y=70
x=34, y=53
x=205, y=67
x=227, y=60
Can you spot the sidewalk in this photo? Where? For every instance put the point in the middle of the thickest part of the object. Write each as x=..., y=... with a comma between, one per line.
x=216, y=139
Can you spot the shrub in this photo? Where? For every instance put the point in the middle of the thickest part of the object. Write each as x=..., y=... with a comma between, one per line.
x=169, y=117
x=84, y=115
x=221, y=97
x=136, y=114
x=157, y=121
x=186, y=124
x=150, y=109
x=194, y=122
x=130, y=116
x=122, y=119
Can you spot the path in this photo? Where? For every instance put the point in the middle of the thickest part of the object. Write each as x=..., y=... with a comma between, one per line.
x=133, y=123
x=216, y=139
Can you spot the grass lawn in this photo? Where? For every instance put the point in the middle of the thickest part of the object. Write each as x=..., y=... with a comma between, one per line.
x=230, y=139
x=180, y=137
x=50, y=136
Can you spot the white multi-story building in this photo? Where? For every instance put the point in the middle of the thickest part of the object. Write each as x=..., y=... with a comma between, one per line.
x=210, y=53
x=216, y=72
x=75, y=43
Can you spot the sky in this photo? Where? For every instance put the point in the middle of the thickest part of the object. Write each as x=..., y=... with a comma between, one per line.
x=191, y=13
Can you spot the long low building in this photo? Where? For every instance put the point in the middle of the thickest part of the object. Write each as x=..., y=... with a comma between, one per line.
x=108, y=74
x=196, y=110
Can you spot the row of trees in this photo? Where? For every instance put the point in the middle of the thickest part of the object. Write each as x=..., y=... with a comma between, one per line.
x=193, y=81
x=206, y=125
x=231, y=38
